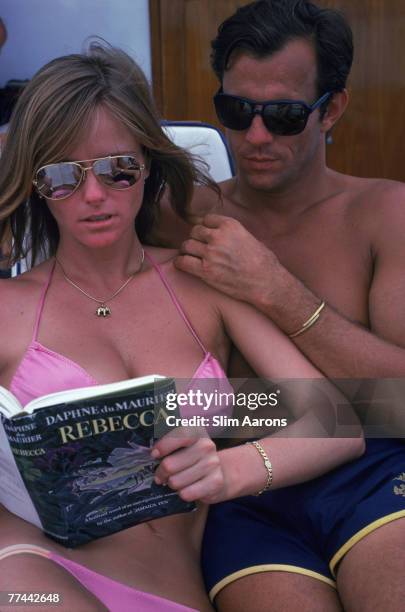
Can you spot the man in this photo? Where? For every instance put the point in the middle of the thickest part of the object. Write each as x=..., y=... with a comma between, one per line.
x=323, y=255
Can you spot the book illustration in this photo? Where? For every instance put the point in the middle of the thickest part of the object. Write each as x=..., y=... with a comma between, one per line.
x=132, y=470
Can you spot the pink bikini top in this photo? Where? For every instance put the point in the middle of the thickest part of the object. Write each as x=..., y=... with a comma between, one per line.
x=42, y=371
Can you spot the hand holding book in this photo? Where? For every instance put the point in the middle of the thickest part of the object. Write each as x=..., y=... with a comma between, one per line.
x=190, y=464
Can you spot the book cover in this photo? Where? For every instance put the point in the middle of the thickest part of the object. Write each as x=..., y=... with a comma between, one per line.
x=86, y=463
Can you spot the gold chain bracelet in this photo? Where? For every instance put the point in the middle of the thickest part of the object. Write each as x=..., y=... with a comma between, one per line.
x=267, y=465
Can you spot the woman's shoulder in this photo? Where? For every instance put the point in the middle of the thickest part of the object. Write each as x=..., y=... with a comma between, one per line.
x=17, y=292
x=194, y=295
x=166, y=258
x=160, y=255
x=18, y=304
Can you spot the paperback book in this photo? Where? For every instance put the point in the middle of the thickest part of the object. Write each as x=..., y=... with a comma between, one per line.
x=77, y=463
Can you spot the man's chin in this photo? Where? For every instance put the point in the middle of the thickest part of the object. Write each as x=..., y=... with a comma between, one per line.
x=264, y=182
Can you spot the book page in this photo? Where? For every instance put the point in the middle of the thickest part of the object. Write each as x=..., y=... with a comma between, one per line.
x=72, y=395
x=13, y=494
x=9, y=404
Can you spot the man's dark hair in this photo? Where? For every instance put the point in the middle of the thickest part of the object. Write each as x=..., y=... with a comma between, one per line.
x=263, y=27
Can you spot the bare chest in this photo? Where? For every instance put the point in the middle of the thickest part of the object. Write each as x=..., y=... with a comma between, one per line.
x=328, y=251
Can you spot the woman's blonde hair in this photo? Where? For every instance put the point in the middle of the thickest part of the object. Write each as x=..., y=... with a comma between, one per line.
x=48, y=121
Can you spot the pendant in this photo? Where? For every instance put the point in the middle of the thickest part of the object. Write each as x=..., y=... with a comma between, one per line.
x=103, y=311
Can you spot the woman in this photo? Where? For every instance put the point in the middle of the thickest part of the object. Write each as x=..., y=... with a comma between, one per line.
x=85, y=162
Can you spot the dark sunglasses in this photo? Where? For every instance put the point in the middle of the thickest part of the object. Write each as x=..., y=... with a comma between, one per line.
x=282, y=117
x=59, y=181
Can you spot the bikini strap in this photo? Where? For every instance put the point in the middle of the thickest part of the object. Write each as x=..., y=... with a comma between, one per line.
x=41, y=302
x=175, y=300
x=19, y=549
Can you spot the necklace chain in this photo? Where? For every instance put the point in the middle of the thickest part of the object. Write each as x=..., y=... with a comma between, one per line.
x=103, y=310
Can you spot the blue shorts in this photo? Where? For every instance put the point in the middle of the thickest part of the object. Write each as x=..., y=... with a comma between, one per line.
x=306, y=528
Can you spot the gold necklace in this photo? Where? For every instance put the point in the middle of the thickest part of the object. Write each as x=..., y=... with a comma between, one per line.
x=103, y=310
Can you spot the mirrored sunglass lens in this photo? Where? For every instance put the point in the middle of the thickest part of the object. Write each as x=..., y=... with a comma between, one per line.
x=58, y=180
x=118, y=172
x=285, y=119
x=233, y=113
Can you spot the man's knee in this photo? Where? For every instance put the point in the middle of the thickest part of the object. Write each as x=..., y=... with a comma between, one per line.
x=370, y=576
x=277, y=592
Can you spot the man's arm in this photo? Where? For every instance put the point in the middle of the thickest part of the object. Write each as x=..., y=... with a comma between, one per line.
x=226, y=256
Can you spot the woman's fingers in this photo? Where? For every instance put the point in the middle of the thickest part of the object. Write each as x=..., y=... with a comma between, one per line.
x=208, y=490
x=190, y=464
x=201, y=451
x=179, y=479
x=177, y=438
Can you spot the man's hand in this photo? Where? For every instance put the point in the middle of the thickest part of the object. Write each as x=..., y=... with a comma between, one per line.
x=226, y=256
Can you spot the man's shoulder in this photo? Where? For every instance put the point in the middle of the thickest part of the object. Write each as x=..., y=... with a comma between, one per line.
x=380, y=199
x=205, y=198
x=374, y=190
x=377, y=206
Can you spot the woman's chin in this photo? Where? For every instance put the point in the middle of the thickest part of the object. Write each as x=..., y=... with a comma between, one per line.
x=106, y=239
x=102, y=242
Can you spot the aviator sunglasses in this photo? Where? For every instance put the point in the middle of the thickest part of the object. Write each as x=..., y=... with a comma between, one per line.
x=282, y=117
x=59, y=181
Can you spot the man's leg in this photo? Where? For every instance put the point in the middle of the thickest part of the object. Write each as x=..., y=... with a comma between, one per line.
x=370, y=577
x=278, y=592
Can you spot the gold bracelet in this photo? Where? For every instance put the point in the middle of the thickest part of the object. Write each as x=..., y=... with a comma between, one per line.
x=267, y=465
x=309, y=323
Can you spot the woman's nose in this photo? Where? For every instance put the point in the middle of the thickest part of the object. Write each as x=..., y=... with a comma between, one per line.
x=92, y=188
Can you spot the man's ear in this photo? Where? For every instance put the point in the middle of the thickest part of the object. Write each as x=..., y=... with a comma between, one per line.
x=335, y=109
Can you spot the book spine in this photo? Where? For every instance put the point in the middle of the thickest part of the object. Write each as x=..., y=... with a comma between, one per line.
x=13, y=494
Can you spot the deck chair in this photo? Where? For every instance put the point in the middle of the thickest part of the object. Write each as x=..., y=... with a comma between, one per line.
x=205, y=141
